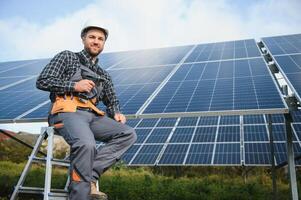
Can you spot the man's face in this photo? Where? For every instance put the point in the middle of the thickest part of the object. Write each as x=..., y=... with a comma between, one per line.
x=94, y=41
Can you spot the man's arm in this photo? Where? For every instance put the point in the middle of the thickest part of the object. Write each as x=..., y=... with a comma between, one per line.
x=51, y=77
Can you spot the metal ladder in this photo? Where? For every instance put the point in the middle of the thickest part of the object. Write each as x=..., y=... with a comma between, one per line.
x=58, y=194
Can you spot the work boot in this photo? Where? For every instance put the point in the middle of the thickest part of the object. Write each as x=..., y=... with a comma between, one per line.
x=97, y=194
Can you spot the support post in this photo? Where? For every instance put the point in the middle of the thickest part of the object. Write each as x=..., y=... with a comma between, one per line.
x=290, y=157
x=270, y=127
x=47, y=185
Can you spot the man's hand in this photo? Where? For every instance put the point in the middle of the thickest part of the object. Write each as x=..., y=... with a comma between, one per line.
x=120, y=118
x=84, y=85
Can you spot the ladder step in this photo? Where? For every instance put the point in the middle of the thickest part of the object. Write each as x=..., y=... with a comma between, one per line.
x=58, y=162
x=37, y=190
x=57, y=194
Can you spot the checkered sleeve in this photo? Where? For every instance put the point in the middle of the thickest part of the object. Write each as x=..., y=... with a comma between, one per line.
x=109, y=98
x=51, y=78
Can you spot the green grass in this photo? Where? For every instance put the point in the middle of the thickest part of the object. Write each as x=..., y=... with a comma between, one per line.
x=122, y=183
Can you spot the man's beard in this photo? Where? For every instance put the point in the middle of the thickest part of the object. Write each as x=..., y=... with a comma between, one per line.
x=93, y=54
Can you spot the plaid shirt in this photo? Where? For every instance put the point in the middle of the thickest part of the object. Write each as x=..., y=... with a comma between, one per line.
x=56, y=75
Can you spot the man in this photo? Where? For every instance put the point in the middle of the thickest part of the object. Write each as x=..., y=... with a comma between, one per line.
x=76, y=84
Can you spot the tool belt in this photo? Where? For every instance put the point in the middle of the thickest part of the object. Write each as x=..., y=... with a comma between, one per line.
x=69, y=103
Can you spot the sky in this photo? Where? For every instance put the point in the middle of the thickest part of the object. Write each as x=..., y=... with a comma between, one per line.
x=35, y=29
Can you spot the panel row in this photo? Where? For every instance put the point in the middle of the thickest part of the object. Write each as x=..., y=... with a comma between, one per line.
x=224, y=51
x=218, y=86
x=159, y=144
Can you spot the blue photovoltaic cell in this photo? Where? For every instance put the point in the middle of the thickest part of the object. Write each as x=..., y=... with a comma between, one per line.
x=257, y=153
x=174, y=154
x=147, y=122
x=227, y=154
x=228, y=134
x=182, y=135
x=12, y=65
x=280, y=152
x=219, y=88
x=211, y=120
x=297, y=130
x=132, y=122
x=205, y=134
x=286, y=44
x=151, y=57
x=253, y=119
x=296, y=116
x=140, y=76
x=129, y=154
x=20, y=98
x=228, y=120
x=134, y=86
x=200, y=154
x=290, y=65
x=147, y=155
x=4, y=81
x=188, y=121
x=132, y=97
x=29, y=69
x=159, y=135
x=39, y=113
x=108, y=60
x=276, y=118
x=142, y=134
x=17, y=103
x=279, y=133
x=167, y=122
x=254, y=133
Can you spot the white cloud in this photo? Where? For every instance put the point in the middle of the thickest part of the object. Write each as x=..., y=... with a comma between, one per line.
x=136, y=24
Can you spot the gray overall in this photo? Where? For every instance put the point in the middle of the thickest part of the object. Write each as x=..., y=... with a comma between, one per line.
x=80, y=130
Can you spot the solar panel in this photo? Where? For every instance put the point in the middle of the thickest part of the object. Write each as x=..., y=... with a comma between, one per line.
x=219, y=142
x=201, y=80
x=232, y=77
x=290, y=65
x=220, y=87
x=132, y=91
x=286, y=44
x=286, y=51
x=224, y=50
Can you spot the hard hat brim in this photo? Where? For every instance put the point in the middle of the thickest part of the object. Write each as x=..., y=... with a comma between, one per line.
x=86, y=29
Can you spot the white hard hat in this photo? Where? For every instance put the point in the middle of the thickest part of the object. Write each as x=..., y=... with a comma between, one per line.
x=93, y=24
